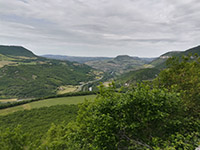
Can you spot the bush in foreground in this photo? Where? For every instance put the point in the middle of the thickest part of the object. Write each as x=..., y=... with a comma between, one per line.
x=142, y=118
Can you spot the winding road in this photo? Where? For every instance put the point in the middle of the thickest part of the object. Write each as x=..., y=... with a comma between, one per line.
x=89, y=82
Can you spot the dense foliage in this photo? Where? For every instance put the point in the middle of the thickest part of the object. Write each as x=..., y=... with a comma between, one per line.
x=183, y=75
x=143, y=118
x=32, y=125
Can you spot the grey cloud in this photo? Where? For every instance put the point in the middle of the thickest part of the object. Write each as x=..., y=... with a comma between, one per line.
x=145, y=28
x=170, y=41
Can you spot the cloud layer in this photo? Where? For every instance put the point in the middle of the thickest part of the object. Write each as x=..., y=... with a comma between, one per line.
x=100, y=27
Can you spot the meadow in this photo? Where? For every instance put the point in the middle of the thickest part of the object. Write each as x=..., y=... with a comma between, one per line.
x=47, y=103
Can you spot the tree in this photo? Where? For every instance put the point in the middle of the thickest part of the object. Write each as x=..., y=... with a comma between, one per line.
x=182, y=75
x=55, y=138
x=137, y=119
x=13, y=139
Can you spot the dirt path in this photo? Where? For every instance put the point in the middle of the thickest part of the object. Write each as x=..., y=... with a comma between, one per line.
x=26, y=106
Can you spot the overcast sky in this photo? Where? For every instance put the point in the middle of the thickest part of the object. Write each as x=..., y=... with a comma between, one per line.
x=145, y=28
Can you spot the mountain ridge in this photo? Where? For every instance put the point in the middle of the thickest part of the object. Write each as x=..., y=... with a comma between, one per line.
x=79, y=59
x=160, y=61
x=15, y=51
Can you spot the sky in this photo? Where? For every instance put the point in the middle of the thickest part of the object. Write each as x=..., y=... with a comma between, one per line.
x=144, y=28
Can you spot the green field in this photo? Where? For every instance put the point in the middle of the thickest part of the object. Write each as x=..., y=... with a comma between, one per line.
x=48, y=103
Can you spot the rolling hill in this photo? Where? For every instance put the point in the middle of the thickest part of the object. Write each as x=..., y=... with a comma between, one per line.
x=138, y=76
x=157, y=65
x=25, y=75
x=160, y=61
x=119, y=64
x=191, y=51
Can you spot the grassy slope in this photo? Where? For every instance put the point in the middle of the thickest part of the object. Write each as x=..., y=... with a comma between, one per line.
x=47, y=103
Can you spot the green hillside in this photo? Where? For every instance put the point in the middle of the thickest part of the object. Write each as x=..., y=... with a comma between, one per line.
x=160, y=61
x=191, y=51
x=15, y=51
x=138, y=75
x=25, y=76
x=158, y=65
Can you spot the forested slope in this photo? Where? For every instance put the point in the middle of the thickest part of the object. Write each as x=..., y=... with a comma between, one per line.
x=25, y=75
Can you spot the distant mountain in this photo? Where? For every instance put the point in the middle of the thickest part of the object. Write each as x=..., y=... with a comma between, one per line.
x=148, y=60
x=119, y=64
x=75, y=58
x=23, y=74
x=125, y=58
